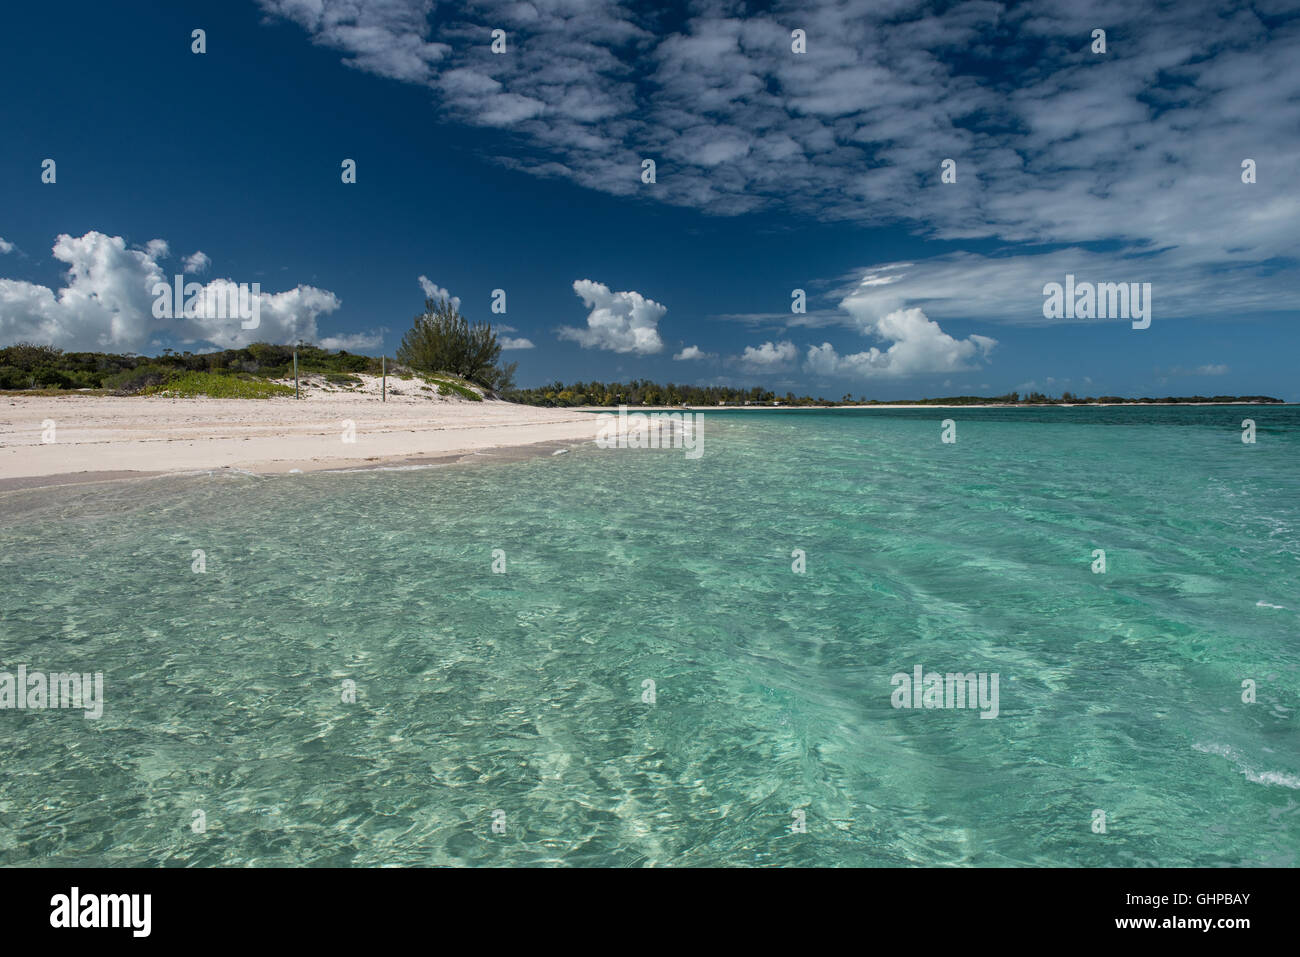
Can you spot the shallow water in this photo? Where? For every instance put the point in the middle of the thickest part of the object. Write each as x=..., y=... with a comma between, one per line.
x=521, y=692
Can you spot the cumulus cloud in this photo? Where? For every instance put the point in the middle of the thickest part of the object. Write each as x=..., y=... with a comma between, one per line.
x=916, y=345
x=197, y=262
x=769, y=355
x=435, y=292
x=693, y=352
x=353, y=342
x=618, y=321
x=108, y=298
x=6, y=247
x=509, y=342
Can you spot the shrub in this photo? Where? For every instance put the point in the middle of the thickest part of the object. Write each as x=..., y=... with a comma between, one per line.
x=12, y=377
x=463, y=391
x=132, y=381
x=442, y=340
x=188, y=385
x=28, y=357
x=48, y=377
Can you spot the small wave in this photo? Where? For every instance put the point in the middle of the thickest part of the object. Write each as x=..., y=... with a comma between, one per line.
x=1258, y=777
x=420, y=466
x=1263, y=604
x=226, y=471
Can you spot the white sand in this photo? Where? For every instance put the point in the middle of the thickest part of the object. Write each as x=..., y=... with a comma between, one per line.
x=102, y=434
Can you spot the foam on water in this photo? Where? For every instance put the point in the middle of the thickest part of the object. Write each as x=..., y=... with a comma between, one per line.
x=1279, y=778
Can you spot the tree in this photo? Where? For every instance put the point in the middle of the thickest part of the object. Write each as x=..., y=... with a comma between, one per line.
x=29, y=356
x=442, y=340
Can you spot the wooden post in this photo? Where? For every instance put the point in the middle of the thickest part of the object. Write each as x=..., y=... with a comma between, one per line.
x=383, y=371
x=295, y=374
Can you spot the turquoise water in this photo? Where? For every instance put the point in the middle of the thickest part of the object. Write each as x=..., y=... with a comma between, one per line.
x=522, y=691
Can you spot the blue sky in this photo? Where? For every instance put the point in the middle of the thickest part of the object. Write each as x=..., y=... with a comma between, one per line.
x=775, y=170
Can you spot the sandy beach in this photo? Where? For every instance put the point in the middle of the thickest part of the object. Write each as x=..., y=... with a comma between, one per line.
x=107, y=437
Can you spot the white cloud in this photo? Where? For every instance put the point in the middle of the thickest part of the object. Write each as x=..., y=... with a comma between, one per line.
x=693, y=352
x=380, y=37
x=352, y=342
x=916, y=346
x=107, y=303
x=618, y=321
x=508, y=343
x=769, y=355
x=197, y=262
x=6, y=247
x=1139, y=148
x=1208, y=369
x=1009, y=288
x=435, y=292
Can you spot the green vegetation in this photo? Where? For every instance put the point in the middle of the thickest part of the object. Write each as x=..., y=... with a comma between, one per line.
x=642, y=392
x=27, y=366
x=131, y=381
x=447, y=383
x=231, y=374
x=1068, y=398
x=188, y=385
x=441, y=340
x=443, y=343
x=645, y=392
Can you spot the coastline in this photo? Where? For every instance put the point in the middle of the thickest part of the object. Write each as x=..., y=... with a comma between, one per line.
x=108, y=438
x=117, y=438
x=915, y=405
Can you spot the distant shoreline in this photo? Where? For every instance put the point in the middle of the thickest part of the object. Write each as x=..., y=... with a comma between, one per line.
x=920, y=405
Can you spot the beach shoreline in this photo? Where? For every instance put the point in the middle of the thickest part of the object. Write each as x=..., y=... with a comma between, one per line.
x=60, y=440
x=77, y=439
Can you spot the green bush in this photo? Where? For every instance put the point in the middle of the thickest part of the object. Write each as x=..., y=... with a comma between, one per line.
x=28, y=357
x=442, y=340
x=189, y=385
x=47, y=377
x=461, y=390
x=12, y=377
x=133, y=381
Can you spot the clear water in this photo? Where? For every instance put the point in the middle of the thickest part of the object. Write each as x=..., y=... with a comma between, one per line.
x=522, y=692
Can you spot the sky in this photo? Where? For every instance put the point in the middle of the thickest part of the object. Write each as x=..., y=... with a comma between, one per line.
x=795, y=146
